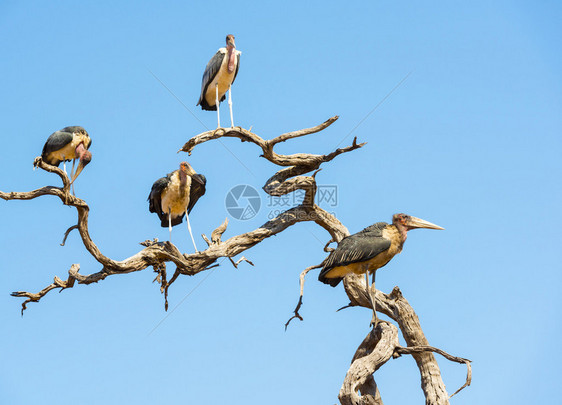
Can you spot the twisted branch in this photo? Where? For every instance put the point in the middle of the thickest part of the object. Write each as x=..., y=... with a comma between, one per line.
x=156, y=253
x=378, y=346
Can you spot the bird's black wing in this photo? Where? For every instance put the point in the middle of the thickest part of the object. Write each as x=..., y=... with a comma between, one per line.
x=198, y=182
x=56, y=141
x=155, y=196
x=211, y=71
x=359, y=247
x=237, y=67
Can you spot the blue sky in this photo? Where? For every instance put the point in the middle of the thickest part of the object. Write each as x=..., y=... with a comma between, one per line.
x=470, y=141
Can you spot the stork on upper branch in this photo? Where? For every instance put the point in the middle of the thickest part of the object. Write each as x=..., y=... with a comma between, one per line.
x=175, y=195
x=218, y=77
x=69, y=143
x=368, y=250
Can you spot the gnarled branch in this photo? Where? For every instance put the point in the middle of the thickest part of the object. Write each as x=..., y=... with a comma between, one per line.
x=378, y=346
x=156, y=253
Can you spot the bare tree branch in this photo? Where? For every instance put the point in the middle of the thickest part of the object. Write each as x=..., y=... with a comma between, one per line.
x=73, y=227
x=422, y=349
x=302, y=132
x=299, y=304
x=377, y=348
x=155, y=253
x=397, y=308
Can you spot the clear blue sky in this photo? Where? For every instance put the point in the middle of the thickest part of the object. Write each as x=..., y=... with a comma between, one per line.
x=471, y=141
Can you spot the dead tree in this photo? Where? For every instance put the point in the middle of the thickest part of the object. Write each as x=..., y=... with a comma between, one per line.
x=377, y=348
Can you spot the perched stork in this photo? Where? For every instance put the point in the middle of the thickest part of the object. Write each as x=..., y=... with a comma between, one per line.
x=368, y=250
x=68, y=144
x=175, y=195
x=219, y=75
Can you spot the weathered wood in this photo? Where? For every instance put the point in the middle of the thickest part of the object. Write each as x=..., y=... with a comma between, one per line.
x=155, y=253
x=378, y=347
x=396, y=307
x=375, y=350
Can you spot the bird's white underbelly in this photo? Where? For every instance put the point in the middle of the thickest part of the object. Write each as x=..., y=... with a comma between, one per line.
x=68, y=152
x=175, y=198
x=224, y=79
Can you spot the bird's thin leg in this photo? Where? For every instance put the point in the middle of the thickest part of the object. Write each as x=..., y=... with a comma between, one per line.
x=217, y=104
x=64, y=165
x=369, y=293
x=190, y=233
x=72, y=170
x=230, y=105
x=170, y=222
x=375, y=320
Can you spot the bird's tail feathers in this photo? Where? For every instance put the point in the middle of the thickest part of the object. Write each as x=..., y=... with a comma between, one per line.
x=175, y=220
x=331, y=281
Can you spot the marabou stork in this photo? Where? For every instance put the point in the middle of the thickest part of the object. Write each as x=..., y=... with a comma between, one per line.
x=218, y=77
x=68, y=144
x=369, y=250
x=175, y=195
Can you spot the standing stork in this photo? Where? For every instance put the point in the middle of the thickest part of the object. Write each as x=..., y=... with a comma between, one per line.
x=218, y=77
x=175, y=195
x=368, y=250
x=68, y=144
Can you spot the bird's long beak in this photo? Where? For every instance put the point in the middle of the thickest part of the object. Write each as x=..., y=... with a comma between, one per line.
x=84, y=160
x=414, y=222
x=231, y=43
x=79, y=169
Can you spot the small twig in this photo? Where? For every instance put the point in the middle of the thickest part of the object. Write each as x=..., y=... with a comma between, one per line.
x=57, y=283
x=302, y=132
x=329, y=249
x=160, y=269
x=422, y=349
x=347, y=306
x=299, y=304
x=242, y=259
x=296, y=313
x=207, y=241
x=174, y=277
x=217, y=233
x=149, y=242
x=73, y=227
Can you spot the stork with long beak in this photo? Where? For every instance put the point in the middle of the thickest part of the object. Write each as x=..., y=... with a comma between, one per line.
x=175, y=195
x=68, y=144
x=368, y=250
x=218, y=77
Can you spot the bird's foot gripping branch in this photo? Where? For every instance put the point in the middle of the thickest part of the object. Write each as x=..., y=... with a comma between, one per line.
x=298, y=172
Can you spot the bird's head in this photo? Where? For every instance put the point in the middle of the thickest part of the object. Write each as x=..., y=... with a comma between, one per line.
x=230, y=42
x=81, y=131
x=186, y=168
x=408, y=222
x=76, y=130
